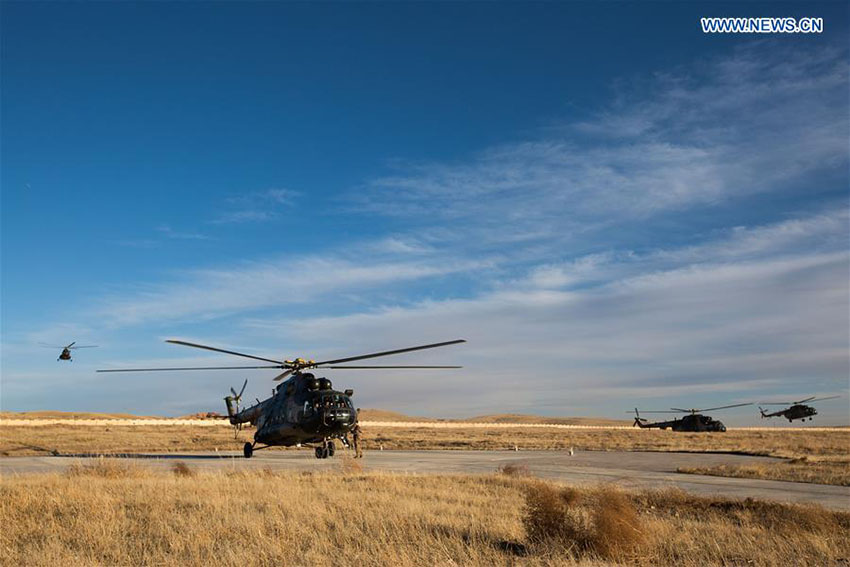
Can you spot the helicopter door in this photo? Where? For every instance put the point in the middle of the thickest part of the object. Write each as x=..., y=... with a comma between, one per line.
x=292, y=410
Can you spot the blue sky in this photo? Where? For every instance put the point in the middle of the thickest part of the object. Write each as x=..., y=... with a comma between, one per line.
x=614, y=208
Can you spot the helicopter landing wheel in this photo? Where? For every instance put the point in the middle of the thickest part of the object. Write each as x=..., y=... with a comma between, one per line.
x=248, y=450
x=320, y=453
x=331, y=449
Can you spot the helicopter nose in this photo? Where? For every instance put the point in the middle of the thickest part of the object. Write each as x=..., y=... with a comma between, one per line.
x=337, y=416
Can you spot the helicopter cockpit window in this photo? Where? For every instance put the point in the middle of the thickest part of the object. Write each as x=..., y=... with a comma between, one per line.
x=334, y=401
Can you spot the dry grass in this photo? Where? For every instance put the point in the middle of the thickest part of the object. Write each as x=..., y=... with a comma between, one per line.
x=23, y=440
x=182, y=469
x=69, y=439
x=103, y=515
x=826, y=453
x=515, y=469
x=103, y=468
x=836, y=472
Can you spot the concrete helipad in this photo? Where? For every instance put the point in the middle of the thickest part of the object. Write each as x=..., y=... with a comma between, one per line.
x=626, y=469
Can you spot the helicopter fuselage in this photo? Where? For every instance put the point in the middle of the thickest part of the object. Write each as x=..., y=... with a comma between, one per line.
x=302, y=410
x=689, y=423
x=797, y=411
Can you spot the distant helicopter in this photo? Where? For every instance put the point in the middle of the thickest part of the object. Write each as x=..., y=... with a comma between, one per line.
x=695, y=422
x=66, y=350
x=303, y=410
x=798, y=410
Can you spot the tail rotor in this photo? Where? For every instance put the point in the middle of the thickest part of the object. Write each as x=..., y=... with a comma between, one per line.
x=232, y=403
x=639, y=421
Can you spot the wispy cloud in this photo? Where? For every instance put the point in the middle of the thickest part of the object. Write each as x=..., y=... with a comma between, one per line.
x=688, y=322
x=211, y=293
x=257, y=206
x=168, y=232
x=758, y=121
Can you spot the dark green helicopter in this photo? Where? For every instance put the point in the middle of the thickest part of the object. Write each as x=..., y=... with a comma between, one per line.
x=798, y=410
x=694, y=422
x=304, y=410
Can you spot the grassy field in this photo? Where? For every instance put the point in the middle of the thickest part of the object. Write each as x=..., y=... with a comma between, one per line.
x=835, y=471
x=820, y=456
x=109, y=513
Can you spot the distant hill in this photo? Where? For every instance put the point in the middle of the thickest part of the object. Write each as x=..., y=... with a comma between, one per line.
x=71, y=415
x=367, y=414
x=525, y=418
x=383, y=415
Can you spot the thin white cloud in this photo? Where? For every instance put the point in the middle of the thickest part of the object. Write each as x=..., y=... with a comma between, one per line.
x=169, y=232
x=695, y=321
x=235, y=217
x=735, y=127
x=211, y=293
x=257, y=206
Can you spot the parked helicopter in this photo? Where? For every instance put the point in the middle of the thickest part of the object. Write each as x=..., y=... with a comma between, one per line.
x=66, y=350
x=695, y=422
x=304, y=410
x=798, y=410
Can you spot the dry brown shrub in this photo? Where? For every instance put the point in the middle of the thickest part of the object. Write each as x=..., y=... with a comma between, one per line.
x=616, y=526
x=182, y=469
x=601, y=522
x=515, y=470
x=551, y=515
x=104, y=468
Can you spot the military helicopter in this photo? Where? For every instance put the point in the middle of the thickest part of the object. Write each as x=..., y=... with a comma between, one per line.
x=694, y=422
x=66, y=350
x=303, y=410
x=798, y=410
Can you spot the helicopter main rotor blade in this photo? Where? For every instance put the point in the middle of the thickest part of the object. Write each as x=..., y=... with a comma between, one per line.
x=724, y=407
x=820, y=399
x=214, y=349
x=82, y=346
x=381, y=367
x=283, y=375
x=661, y=411
x=187, y=368
x=680, y=410
x=388, y=352
x=70, y=345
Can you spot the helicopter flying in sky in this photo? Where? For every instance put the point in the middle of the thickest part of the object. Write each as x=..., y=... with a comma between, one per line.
x=798, y=410
x=303, y=410
x=693, y=422
x=66, y=350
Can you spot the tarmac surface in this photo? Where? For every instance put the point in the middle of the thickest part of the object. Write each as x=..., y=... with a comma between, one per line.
x=626, y=469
